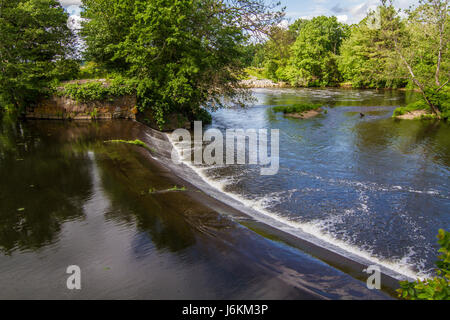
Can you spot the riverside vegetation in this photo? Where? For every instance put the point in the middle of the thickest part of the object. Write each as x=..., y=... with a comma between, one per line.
x=189, y=56
x=437, y=288
x=387, y=49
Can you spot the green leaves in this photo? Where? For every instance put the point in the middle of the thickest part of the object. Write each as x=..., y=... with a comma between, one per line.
x=98, y=91
x=305, y=55
x=437, y=288
x=185, y=55
x=35, y=47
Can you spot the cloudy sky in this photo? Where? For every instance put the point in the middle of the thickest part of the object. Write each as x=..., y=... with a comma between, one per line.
x=349, y=11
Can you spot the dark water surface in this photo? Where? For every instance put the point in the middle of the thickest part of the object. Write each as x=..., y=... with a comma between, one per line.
x=68, y=198
x=374, y=186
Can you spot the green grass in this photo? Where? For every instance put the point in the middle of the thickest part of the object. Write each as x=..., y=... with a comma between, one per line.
x=297, y=108
x=136, y=142
x=258, y=73
x=96, y=90
x=440, y=99
x=176, y=188
x=155, y=191
x=418, y=105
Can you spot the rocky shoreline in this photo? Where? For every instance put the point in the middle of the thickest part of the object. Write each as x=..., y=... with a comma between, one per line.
x=255, y=83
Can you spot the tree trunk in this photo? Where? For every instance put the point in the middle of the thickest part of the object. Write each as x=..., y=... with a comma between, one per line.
x=434, y=109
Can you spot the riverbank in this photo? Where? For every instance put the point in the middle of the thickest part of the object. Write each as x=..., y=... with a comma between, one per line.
x=133, y=243
x=206, y=195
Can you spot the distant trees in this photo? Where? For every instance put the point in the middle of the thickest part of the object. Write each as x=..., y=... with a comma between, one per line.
x=305, y=54
x=366, y=58
x=385, y=50
x=423, y=47
x=414, y=49
x=315, y=51
x=35, y=48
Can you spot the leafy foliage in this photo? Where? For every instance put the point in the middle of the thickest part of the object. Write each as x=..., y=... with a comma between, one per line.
x=366, y=59
x=314, y=53
x=185, y=55
x=297, y=108
x=35, y=48
x=437, y=288
x=98, y=91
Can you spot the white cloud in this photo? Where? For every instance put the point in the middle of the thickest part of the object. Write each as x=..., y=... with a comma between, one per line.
x=67, y=3
x=74, y=22
x=353, y=10
x=342, y=18
x=73, y=10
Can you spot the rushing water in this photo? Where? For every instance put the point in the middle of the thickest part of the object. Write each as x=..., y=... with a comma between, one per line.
x=69, y=198
x=375, y=187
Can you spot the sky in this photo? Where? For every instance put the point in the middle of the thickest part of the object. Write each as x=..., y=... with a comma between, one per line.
x=348, y=11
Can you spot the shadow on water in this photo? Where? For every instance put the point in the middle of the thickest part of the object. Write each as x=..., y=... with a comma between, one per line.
x=45, y=184
x=69, y=198
x=42, y=187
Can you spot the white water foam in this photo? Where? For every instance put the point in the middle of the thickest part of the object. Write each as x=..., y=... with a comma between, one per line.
x=401, y=269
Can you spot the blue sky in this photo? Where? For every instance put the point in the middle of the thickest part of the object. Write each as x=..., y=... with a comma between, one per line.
x=349, y=11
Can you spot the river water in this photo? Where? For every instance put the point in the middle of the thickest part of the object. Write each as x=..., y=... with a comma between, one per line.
x=374, y=187
x=369, y=187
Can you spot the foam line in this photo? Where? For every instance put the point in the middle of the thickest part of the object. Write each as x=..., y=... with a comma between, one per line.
x=399, y=269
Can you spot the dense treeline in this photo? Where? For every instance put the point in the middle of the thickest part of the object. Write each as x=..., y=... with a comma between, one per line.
x=324, y=52
x=387, y=49
x=182, y=56
x=36, y=47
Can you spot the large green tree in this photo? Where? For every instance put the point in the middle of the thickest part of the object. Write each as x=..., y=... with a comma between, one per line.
x=185, y=54
x=423, y=48
x=106, y=25
x=35, y=48
x=366, y=58
x=277, y=52
x=314, y=53
x=386, y=50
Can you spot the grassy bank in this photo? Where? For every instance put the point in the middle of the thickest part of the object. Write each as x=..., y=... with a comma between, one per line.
x=297, y=108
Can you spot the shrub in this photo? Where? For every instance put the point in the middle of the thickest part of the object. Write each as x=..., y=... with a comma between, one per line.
x=97, y=91
x=296, y=108
x=418, y=105
x=440, y=99
x=437, y=288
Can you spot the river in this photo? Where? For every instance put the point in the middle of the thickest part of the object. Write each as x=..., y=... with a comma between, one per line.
x=372, y=188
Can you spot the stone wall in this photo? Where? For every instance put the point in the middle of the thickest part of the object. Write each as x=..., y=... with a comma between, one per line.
x=64, y=108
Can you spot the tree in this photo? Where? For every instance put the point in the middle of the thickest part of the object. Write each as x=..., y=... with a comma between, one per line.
x=105, y=25
x=35, y=48
x=432, y=20
x=278, y=51
x=366, y=59
x=184, y=54
x=314, y=53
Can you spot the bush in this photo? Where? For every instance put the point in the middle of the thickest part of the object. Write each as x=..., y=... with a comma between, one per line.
x=97, y=91
x=296, y=108
x=418, y=105
x=437, y=288
x=91, y=70
x=203, y=115
x=440, y=99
